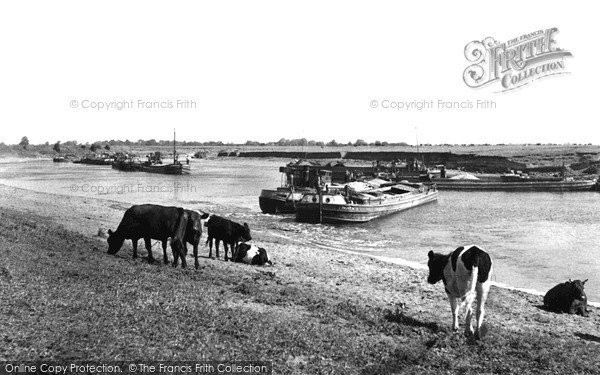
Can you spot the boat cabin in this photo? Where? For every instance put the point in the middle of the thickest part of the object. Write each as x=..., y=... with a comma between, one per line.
x=306, y=176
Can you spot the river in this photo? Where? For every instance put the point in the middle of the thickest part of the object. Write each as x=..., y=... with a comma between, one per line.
x=536, y=240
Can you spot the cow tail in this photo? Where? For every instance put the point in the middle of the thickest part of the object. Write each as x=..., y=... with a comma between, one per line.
x=179, y=235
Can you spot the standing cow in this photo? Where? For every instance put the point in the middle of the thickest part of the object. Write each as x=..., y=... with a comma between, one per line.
x=568, y=297
x=465, y=272
x=149, y=221
x=221, y=229
x=193, y=231
x=251, y=254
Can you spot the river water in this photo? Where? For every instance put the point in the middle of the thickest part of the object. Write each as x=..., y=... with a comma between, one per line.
x=536, y=240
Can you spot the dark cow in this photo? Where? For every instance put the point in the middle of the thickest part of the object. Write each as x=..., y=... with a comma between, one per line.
x=149, y=221
x=465, y=272
x=221, y=229
x=193, y=231
x=251, y=254
x=568, y=297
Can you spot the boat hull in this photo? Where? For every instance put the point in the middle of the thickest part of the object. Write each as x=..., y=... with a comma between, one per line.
x=95, y=161
x=280, y=201
x=575, y=185
x=126, y=166
x=360, y=213
x=167, y=168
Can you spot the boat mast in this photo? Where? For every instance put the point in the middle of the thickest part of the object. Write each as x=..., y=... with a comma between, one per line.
x=418, y=153
x=174, y=157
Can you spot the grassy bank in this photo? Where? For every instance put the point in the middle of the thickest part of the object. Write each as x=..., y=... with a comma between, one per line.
x=315, y=311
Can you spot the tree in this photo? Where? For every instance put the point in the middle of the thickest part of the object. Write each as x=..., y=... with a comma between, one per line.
x=107, y=147
x=94, y=147
x=56, y=147
x=332, y=143
x=24, y=142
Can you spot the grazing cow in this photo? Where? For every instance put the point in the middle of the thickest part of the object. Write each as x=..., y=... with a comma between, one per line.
x=465, y=273
x=149, y=221
x=251, y=254
x=221, y=229
x=193, y=231
x=567, y=297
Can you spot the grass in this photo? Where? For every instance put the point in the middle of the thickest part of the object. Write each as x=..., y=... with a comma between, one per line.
x=314, y=312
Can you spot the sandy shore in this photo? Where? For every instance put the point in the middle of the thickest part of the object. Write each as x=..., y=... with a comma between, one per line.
x=346, y=313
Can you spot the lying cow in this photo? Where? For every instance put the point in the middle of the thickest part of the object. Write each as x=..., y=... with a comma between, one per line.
x=568, y=297
x=465, y=273
x=149, y=221
x=251, y=254
x=221, y=229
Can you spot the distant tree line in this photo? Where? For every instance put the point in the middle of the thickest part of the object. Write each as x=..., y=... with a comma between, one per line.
x=107, y=144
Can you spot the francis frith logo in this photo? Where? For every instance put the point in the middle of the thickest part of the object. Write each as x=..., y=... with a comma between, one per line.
x=515, y=63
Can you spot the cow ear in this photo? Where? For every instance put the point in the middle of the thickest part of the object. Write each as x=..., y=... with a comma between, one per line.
x=430, y=255
x=584, y=281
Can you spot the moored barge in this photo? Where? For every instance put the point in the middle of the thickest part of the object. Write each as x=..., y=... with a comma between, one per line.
x=357, y=206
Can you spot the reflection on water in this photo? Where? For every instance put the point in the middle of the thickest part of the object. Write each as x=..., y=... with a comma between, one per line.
x=536, y=239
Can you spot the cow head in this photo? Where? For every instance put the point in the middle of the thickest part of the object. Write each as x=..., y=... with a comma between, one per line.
x=193, y=231
x=262, y=258
x=436, y=264
x=576, y=289
x=245, y=233
x=114, y=242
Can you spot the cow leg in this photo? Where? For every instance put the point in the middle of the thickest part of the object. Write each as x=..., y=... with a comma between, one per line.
x=134, y=242
x=148, y=242
x=183, y=253
x=209, y=243
x=225, y=244
x=234, y=250
x=469, y=308
x=454, y=308
x=164, y=246
x=482, y=294
x=196, y=255
x=217, y=248
x=175, y=255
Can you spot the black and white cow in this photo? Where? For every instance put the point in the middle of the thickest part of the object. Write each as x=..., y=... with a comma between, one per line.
x=568, y=297
x=251, y=254
x=466, y=273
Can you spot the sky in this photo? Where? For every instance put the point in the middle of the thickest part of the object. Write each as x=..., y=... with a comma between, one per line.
x=234, y=71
